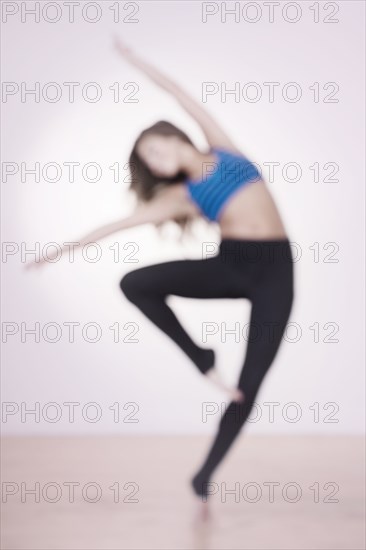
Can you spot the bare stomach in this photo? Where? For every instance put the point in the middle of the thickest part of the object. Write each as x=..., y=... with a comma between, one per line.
x=251, y=213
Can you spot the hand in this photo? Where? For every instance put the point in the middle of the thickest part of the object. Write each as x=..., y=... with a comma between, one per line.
x=122, y=48
x=33, y=264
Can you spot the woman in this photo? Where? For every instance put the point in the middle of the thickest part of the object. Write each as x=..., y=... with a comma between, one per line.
x=173, y=180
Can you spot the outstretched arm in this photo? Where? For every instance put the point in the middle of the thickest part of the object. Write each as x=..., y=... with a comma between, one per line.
x=214, y=134
x=165, y=206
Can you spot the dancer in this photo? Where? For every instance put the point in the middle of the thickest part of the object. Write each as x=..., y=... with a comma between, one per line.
x=254, y=260
x=173, y=180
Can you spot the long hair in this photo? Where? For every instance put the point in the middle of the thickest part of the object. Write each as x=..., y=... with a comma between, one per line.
x=143, y=182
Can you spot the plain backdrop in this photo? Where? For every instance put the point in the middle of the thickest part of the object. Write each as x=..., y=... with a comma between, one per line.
x=317, y=378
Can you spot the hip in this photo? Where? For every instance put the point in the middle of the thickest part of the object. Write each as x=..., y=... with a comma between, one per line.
x=264, y=265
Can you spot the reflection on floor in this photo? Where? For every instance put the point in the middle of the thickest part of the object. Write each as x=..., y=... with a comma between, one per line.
x=271, y=492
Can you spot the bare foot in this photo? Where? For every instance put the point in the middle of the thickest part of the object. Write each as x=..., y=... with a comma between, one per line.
x=234, y=393
x=202, y=511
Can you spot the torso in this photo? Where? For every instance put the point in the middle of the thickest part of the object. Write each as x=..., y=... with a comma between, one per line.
x=250, y=214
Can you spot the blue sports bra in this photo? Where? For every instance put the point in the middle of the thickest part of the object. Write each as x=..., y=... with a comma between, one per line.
x=222, y=180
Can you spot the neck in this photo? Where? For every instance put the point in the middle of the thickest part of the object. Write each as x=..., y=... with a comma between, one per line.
x=193, y=161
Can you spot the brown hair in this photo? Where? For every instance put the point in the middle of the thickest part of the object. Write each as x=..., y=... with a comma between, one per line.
x=143, y=182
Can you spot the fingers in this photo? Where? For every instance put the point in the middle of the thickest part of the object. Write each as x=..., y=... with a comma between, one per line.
x=121, y=47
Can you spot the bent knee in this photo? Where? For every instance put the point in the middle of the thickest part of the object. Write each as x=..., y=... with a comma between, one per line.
x=130, y=286
x=140, y=283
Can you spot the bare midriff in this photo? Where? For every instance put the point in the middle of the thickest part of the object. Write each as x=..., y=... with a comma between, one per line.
x=251, y=213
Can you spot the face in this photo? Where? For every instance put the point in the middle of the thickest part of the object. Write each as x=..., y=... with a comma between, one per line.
x=161, y=154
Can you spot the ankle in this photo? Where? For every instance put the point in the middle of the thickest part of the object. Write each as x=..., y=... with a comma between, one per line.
x=199, y=485
x=206, y=360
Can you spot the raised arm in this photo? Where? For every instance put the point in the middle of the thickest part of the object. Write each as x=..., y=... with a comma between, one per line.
x=215, y=135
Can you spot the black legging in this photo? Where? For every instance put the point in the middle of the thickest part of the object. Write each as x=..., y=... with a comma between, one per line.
x=259, y=270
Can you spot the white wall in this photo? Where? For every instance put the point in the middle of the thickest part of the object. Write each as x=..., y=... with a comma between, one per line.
x=153, y=373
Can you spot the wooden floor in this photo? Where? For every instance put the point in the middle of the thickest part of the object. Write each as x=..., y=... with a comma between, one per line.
x=154, y=508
